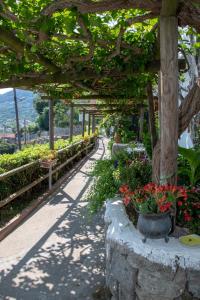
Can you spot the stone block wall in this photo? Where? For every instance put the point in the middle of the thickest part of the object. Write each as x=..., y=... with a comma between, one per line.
x=152, y=271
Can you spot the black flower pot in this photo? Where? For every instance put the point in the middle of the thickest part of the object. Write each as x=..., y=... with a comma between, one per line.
x=154, y=226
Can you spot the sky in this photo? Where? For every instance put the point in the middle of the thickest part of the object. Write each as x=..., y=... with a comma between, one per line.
x=3, y=91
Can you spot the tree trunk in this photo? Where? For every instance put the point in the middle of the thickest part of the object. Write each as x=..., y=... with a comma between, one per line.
x=169, y=93
x=188, y=109
x=152, y=126
x=141, y=123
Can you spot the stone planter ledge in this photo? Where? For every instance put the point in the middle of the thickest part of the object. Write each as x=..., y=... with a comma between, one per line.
x=154, y=270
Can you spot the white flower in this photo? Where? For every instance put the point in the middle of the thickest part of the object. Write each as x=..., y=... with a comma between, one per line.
x=129, y=150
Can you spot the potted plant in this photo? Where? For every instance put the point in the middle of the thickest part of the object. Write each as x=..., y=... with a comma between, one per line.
x=49, y=161
x=154, y=204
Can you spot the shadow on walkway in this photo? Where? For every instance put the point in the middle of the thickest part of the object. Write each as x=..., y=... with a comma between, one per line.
x=67, y=262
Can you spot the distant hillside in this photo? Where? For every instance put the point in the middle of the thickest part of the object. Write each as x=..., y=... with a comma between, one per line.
x=25, y=107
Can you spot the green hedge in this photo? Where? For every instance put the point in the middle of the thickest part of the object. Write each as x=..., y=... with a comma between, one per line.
x=32, y=153
x=7, y=148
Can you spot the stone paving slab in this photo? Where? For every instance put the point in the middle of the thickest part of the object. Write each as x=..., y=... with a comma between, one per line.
x=58, y=253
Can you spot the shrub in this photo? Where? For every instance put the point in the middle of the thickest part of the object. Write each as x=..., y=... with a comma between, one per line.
x=104, y=186
x=110, y=174
x=189, y=165
x=7, y=148
x=188, y=212
x=31, y=154
x=147, y=143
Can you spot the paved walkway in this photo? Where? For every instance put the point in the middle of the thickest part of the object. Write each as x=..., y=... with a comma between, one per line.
x=58, y=253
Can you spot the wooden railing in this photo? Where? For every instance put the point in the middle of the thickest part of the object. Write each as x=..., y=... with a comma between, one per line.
x=41, y=178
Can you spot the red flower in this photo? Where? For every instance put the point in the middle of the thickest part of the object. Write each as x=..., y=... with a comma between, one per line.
x=196, y=205
x=180, y=203
x=162, y=200
x=150, y=187
x=139, y=200
x=165, y=207
x=131, y=193
x=124, y=188
x=187, y=217
x=182, y=193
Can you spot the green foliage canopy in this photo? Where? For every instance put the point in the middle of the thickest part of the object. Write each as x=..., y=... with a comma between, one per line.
x=72, y=48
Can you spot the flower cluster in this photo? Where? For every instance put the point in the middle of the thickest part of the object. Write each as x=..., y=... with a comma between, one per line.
x=153, y=198
x=124, y=189
x=190, y=209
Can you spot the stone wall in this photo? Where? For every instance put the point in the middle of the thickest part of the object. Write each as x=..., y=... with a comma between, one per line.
x=152, y=271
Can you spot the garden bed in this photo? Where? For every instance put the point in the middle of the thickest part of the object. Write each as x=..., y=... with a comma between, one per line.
x=155, y=270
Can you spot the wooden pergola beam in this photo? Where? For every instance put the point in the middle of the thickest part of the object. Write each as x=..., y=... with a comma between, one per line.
x=60, y=78
x=86, y=105
x=101, y=97
x=105, y=111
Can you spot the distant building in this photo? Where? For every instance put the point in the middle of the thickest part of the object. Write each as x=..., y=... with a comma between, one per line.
x=8, y=137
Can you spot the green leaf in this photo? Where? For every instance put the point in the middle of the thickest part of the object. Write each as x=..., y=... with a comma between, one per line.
x=34, y=49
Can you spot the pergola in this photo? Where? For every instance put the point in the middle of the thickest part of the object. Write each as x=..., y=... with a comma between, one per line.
x=99, y=50
x=92, y=109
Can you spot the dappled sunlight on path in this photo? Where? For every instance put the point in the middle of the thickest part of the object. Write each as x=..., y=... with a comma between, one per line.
x=58, y=253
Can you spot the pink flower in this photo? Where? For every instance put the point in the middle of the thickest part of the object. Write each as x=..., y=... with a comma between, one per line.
x=126, y=200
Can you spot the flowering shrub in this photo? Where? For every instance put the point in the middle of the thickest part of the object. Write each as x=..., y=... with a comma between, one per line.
x=188, y=212
x=134, y=172
x=153, y=198
x=110, y=174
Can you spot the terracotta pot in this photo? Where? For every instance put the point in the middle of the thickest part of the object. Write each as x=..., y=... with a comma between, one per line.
x=48, y=163
x=154, y=226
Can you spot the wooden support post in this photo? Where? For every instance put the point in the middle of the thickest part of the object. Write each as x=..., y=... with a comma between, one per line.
x=93, y=123
x=89, y=123
x=83, y=123
x=50, y=177
x=141, y=123
x=25, y=132
x=71, y=122
x=152, y=125
x=169, y=92
x=51, y=125
x=17, y=120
